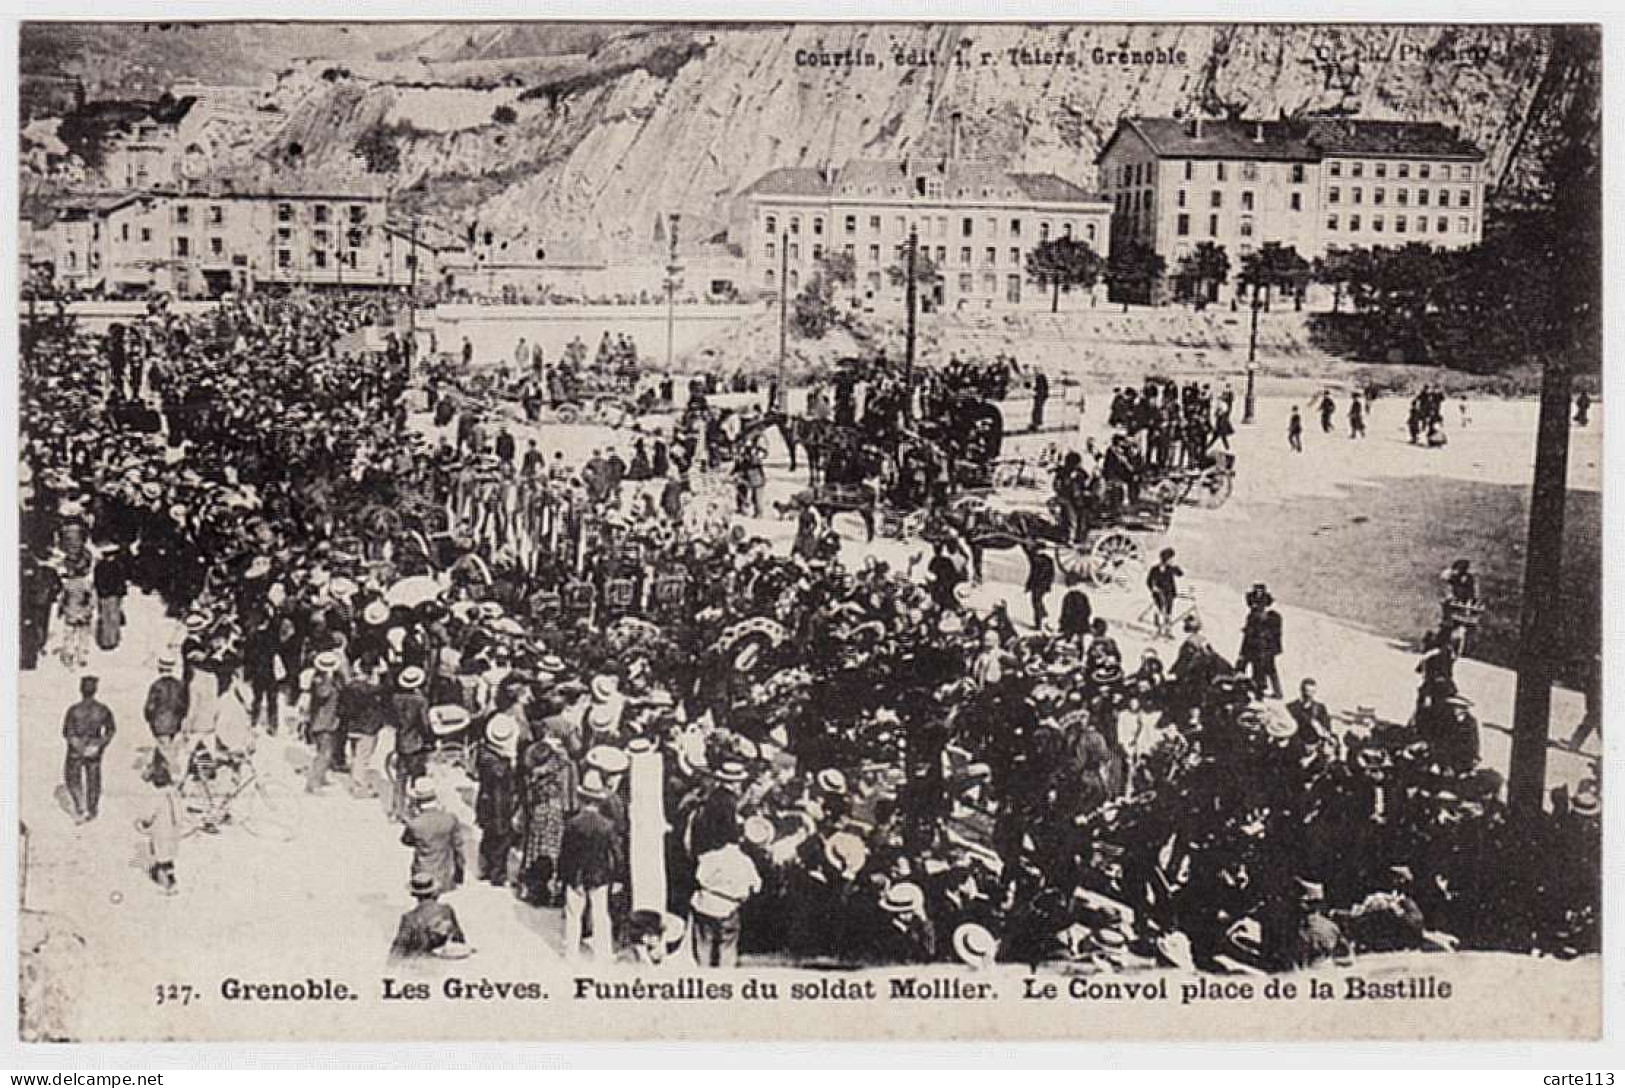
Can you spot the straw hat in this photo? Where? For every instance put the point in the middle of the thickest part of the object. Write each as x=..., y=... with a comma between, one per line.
x=327, y=661
x=605, y=687
x=423, y=885
x=592, y=786
x=831, y=780
x=975, y=945
x=758, y=831
x=731, y=771
x=608, y=760
x=423, y=789
x=903, y=898
x=376, y=614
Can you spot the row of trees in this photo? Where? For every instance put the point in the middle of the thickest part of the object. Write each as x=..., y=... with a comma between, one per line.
x=1414, y=301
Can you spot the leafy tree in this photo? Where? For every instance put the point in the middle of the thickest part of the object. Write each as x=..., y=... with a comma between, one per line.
x=1063, y=263
x=926, y=273
x=1335, y=269
x=1274, y=266
x=838, y=268
x=812, y=311
x=504, y=115
x=1202, y=271
x=1135, y=271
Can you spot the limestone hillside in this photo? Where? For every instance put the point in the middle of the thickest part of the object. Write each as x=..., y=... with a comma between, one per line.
x=615, y=124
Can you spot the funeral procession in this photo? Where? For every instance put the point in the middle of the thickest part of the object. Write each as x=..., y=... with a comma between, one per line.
x=570, y=515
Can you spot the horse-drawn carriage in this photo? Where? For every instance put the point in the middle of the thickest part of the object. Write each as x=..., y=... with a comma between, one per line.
x=1109, y=551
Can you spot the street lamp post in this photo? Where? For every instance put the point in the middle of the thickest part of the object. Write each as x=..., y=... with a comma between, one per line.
x=910, y=296
x=671, y=293
x=784, y=314
x=1250, y=405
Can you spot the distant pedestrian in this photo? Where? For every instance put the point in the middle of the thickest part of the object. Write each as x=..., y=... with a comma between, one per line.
x=1582, y=409
x=1356, y=418
x=1328, y=412
x=1294, y=431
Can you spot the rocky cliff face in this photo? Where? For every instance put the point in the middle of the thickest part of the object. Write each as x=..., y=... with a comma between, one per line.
x=648, y=120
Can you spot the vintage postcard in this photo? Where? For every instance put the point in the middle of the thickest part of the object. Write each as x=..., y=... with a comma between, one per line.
x=828, y=531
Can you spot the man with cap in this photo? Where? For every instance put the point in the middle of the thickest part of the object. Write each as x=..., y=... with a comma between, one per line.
x=165, y=711
x=589, y=859
x=494, y=766
x=325, y=686
x=906, y=935
x=715, y=822
x=725, y=878
x=436, y=838
x=1261, y=642
x=410, y=716
x=1163, y=582
x=88, y=729
x=427, y=927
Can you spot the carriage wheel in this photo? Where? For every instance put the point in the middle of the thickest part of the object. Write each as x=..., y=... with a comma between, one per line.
x=567, y=413
x=1212, y=488
x=1117, y=559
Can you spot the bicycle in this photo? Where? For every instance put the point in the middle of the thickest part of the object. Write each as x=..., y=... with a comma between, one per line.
x=257, y=805
x=1184, y=610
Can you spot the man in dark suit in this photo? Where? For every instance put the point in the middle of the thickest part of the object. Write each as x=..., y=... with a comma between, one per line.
x=589, y=858
x=1261, y=642
x=165, y=712
x=1314, y=721
x=427, y=927
x=436, y=838
x=88, y=729
x=1040, y=580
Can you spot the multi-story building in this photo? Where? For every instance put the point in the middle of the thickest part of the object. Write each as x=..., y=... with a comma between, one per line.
x=976, y=222
x=1175, y=183
x=205, y=242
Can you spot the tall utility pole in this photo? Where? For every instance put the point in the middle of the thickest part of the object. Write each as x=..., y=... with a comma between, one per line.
x=1572, y=247
x=784, y=313
x=910, y=298
x=1250, y=405
x=671, y=292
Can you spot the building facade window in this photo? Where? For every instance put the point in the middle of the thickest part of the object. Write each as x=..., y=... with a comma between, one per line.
x=1015, y=228
x=1376, y=223
x=1212, y=226
x=851, y=224
x=1357, y=170
x=1357, y=194
x=1297, y=202
x=1422, y=171
x=1404, y=169
x=1247, y=200
x=967, y=227
x=795, y=224
x=1443, y=224
x=964, y=283
x=1215, y=199
x=1331, y=222
x=1422, y=198
x=818, y=225
x=1012, y=289
x=1182, y=226
x=1376, y=196
x=1464, y=198
x=1218, y=171
x=1464, y=225
x=1249, y=171
x=1190, y=170
x=1354, y=223
x=992, y=255
x=1466, y=173
x=964, y=255
x=772, y=251
x=1399, y=224
x=1297, y=173
x=771, y=224
x=874, y=254
x=1335, y=169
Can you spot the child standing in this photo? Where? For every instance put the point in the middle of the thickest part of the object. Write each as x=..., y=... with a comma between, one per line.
x=162, y=826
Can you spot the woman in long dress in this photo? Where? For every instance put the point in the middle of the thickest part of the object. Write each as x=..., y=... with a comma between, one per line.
x=549, y=788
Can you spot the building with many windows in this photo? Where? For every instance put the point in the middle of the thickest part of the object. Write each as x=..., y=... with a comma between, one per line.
x=976, y=222
x=204, y=242
x=1175, y=183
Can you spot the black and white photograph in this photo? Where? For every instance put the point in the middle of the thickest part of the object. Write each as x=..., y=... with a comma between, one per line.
x=546, y=531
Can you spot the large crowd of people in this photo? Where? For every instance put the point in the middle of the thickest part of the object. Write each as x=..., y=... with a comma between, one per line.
x=854, y=766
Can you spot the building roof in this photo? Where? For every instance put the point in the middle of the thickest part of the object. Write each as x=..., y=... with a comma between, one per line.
x=960, y=179
x=791, y=181
x=1412, y=139
x=1177, y=138
x=1294, y=140
x=1050, y=189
